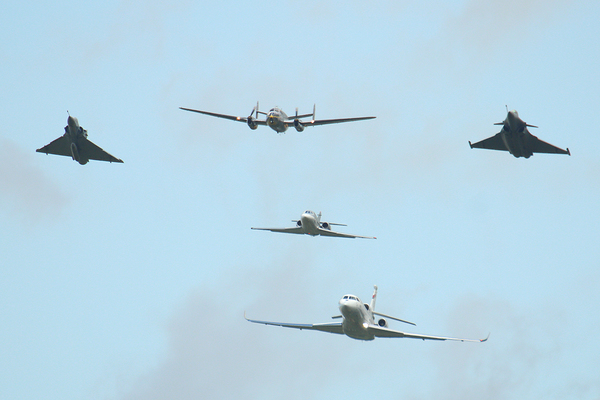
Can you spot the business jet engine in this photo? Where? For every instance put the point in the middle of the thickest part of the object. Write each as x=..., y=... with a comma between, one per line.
x=326, y=225
x=382, y=323
x=299, y=223
x=298, y=125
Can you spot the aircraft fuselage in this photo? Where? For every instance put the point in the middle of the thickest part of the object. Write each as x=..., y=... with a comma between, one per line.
x=310, y=223
x=73, y=131
x=277, y=120
x=515, y=135
x=356, y=318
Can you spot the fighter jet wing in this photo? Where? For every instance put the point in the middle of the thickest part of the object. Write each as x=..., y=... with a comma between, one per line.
x=327, y=232
x=93, y=152
x=316, y=122
x=295, y=229
x=231, y=117
x=331, y=327
x=493, y=143
x=379, y=331
x=60, y=146
x=539, y=146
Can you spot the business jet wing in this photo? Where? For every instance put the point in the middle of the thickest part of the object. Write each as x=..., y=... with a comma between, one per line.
x=379, y=331
x=331, y=327
x=316, y=122
x=295, y=229
x=492, y=143
x=327, y=232
x=60, y=146
x=539, y=146
x=94, y=152
x=231, y=117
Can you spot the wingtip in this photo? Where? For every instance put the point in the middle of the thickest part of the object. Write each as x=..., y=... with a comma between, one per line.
x=470, y=144
x=485, y=340
x=568, y=151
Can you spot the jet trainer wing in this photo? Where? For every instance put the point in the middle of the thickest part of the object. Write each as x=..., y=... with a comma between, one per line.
x=379, y=331
x=332, y=121
x=60, y=146
x=295, y=229
x=539, y=146
x=93, y=152
x=231, y=117
x=493, y=143
x=331, y=327
x=327, y=232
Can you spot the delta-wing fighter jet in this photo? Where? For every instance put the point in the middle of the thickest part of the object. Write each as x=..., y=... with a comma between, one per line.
x=358, y=322
x=75, y=144
x=277, y=120
x=310, y=224
x=516, y=139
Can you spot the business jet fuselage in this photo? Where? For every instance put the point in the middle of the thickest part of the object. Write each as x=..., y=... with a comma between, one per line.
x=358, y=322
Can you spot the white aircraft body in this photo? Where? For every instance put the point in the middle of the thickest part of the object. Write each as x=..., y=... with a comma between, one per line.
x=358, y=322
x=515, y=138
x=277, y=120
x=310, y=224
x=75, y=144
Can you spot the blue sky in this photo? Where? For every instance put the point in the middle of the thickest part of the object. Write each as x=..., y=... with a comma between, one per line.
x=129, y=281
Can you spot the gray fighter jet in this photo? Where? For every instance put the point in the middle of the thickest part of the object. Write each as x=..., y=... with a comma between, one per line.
x=279, y=121
x=75, y=144
x=516, y=139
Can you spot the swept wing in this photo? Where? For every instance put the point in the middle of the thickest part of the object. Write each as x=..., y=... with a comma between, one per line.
x=331, y=327
x=60, y=146
x=327, y=232
x=379, y=331
x=539, y=146
x=93, y=152
x=282, y=230
x=492, y=143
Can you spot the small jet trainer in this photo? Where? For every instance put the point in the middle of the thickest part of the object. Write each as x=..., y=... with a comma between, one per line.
x=358, y=322
x=277, y=120
x=74, y=143
x=310, y=224
x=516, y=139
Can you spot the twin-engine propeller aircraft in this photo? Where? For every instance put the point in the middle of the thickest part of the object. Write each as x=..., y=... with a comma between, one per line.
x=74, y=143
x=310, y=224
x=516, y=139
x=277, y=120
x=358, y=322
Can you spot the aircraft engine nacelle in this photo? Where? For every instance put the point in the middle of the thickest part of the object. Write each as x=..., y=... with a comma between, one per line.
x=326, y=225
x=251, y=123
x=298, y=125
x=382, y=323
x=299, y=223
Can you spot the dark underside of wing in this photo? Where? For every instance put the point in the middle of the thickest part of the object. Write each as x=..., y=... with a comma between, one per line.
x=93, y=152
x=60, y=147
x=493, y=143
x=539, y=146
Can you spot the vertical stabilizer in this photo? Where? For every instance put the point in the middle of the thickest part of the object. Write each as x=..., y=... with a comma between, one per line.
x=372, y=307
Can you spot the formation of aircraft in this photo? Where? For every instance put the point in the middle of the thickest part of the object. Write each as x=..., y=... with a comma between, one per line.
x=310, y=224
x=358, y=322
x=277, y=120
x=515, y=138
x=74, y=143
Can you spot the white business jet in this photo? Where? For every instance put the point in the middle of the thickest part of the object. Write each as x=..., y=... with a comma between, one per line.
x=310, y=224
x=358, y=322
